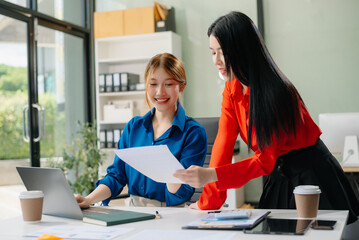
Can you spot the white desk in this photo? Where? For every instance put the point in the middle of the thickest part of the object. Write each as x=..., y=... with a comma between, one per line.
x=173, y=219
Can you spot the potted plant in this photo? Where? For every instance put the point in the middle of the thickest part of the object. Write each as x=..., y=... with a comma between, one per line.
x=81, y=159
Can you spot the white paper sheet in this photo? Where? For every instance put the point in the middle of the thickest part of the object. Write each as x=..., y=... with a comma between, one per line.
x=82, y=232
x=155, y=162
x=184, y=234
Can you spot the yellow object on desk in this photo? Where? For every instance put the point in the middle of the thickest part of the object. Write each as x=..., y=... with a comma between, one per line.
x=48, y=237
x=158, y=216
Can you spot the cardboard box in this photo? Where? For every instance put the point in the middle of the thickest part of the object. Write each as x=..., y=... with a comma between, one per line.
x=109, y=24
x=119, y=111
x=132, y=21
x=139, y=20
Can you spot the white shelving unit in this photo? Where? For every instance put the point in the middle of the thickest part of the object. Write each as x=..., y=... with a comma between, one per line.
x=128, y=54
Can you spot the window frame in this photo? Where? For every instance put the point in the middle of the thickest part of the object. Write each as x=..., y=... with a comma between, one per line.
x=33, y=18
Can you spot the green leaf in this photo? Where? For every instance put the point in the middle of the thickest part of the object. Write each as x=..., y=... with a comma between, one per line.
x=82, y=159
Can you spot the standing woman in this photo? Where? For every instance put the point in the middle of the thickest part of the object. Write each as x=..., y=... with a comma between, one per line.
x=264, y=107
x=165, y=124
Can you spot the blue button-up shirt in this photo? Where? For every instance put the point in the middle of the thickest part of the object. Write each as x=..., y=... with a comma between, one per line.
x=186, y=139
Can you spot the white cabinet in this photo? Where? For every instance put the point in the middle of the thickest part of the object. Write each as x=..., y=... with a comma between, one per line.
x=127, y=54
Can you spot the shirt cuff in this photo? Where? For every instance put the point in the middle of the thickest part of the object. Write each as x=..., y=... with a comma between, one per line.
x=182, y=195
x=224, y=175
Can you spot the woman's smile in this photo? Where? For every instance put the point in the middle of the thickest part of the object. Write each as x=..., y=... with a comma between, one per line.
x=162, y=100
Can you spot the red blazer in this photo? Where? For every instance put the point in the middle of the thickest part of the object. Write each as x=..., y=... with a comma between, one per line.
x=234, y=121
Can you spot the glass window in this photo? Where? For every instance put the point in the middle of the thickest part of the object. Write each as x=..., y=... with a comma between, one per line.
x=22, y=3
x=13, y=88
x=61, y=87
x=70, y=11
x=14, y=151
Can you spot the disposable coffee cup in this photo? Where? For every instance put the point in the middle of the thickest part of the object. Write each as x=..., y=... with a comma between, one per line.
x=31, y=205
x=307, y=200
x=302, y=225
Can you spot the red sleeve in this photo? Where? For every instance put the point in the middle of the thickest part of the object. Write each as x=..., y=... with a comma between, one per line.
x=237, y=174
x=222, y=152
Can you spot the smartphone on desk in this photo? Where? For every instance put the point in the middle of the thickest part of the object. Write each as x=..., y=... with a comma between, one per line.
x=281, y=226
x=323, y=224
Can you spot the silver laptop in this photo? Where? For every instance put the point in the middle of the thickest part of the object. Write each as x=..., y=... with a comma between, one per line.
x=58, y=197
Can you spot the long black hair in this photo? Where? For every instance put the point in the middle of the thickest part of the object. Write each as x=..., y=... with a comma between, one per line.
x=274, y=101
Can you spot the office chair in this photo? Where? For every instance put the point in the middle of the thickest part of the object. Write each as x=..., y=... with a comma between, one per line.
x=210, y=124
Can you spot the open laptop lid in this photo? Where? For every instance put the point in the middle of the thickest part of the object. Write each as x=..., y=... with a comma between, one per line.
x=58, y=198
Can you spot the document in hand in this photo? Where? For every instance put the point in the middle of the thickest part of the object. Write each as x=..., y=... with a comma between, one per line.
x=155, y=162
x=210, y=222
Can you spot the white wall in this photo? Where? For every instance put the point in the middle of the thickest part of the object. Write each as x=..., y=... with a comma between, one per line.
x=315, y=43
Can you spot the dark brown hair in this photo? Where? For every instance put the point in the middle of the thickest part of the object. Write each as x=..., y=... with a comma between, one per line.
x=274, y=101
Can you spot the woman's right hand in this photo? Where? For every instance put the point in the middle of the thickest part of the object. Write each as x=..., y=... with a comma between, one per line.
x=100, y=193
x=82, y=201
x=194, y=206
x=196, y=176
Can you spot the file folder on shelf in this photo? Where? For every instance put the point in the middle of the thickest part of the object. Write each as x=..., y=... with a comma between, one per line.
x=116, y=136
x=101, y=83
x=109, y=83
x=103, y=139
x=109, y=136
x=116, y=77
x=129, y=81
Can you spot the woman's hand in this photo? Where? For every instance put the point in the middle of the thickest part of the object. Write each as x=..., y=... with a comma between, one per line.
x=173, y=187
x=196, y=176
x=82, y=201
x=194, y=206
x=100, y=193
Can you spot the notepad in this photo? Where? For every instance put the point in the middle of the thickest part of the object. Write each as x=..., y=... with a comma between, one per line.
x=228, y=215
x=209, y=222
x=109, y=219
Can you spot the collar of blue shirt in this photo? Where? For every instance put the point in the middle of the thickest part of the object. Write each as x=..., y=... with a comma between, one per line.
x=179, y=119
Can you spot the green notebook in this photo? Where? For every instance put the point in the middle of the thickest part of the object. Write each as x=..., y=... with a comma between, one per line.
x=113, y=218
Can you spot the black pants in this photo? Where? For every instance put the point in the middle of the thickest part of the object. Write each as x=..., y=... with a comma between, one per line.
x=313, y=165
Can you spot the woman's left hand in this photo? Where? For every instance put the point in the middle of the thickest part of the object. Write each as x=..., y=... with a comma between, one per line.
x=196, y=176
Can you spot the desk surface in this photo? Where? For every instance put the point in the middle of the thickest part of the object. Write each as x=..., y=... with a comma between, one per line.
x=350, y=169
x=172, y=219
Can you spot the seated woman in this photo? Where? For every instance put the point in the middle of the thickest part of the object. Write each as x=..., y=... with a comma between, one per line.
x=166, y=123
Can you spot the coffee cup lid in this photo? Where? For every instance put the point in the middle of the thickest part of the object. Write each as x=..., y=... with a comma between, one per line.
x=31, y=194
x=307, y=189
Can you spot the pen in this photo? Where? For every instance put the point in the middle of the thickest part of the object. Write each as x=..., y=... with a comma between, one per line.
x=214, y=211
x=158, y=216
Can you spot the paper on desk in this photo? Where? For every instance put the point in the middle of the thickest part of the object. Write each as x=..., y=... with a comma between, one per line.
x=154, y=234
x=155, y=162
x=82, y=232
